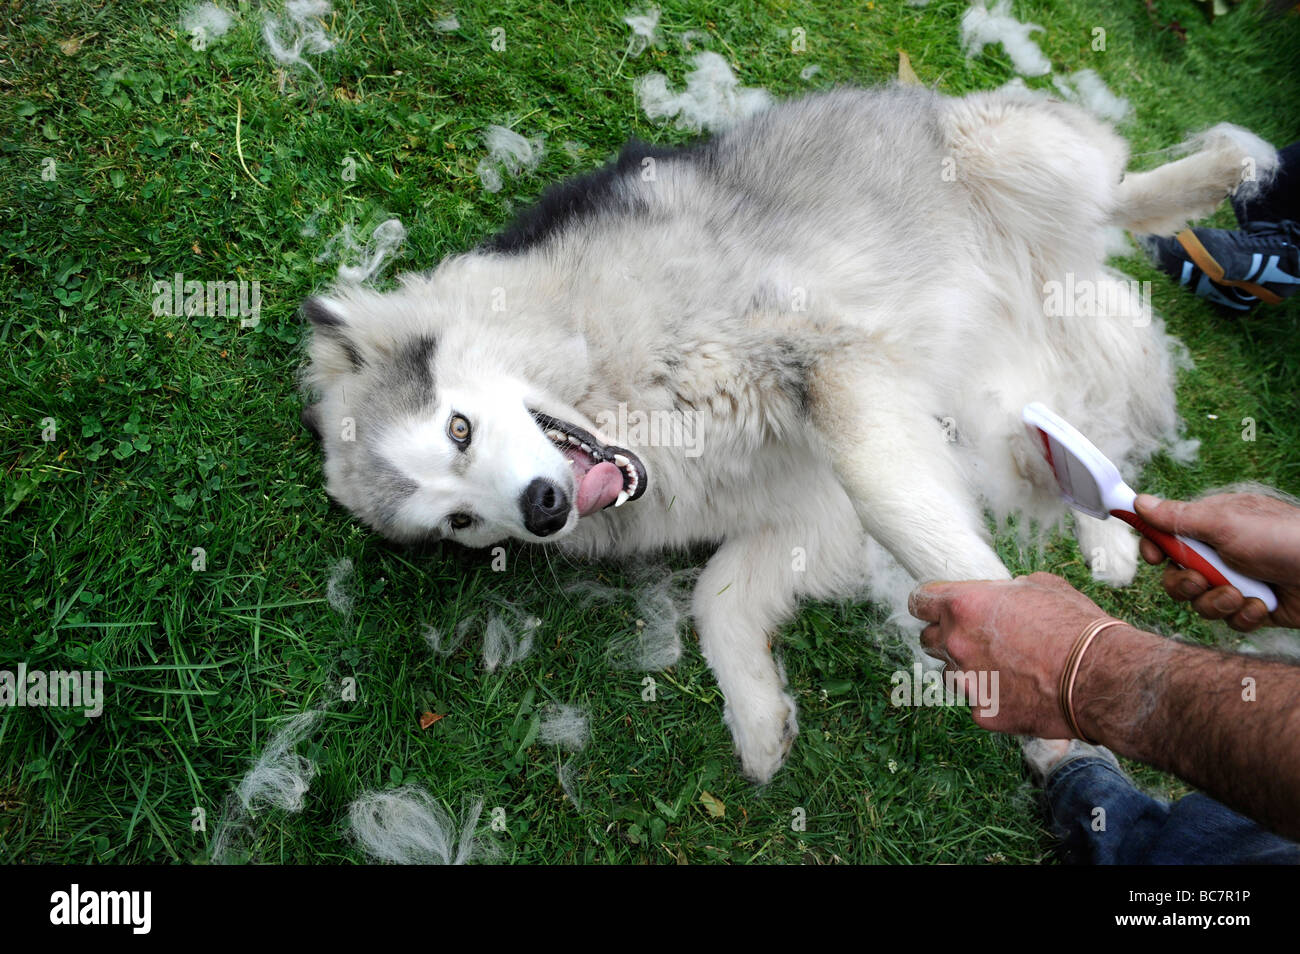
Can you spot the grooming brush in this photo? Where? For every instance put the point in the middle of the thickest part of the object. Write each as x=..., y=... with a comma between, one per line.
x=1091, y=483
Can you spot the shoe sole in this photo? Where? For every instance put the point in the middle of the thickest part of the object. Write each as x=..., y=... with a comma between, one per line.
x=1206, y=263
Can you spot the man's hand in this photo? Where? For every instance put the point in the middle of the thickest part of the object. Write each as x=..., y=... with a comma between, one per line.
x=1255, y=534
x=1023, y=628
x=1225, y=723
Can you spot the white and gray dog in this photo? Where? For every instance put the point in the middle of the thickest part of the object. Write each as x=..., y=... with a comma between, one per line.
x=840, y=305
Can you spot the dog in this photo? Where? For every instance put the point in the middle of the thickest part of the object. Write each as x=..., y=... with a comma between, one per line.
x=836, y=308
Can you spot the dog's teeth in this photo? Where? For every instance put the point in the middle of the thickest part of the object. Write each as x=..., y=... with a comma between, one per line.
x=572, y=439
x=621, y=460
x=622, y=498
x=585, y=448
x=555, y=435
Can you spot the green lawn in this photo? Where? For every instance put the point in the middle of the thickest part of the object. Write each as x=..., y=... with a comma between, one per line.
x=172, y=433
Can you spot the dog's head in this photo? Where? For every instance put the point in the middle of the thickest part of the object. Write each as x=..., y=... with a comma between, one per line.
x=447, y=409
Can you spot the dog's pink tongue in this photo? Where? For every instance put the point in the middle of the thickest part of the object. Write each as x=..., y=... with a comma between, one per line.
x=599, y=487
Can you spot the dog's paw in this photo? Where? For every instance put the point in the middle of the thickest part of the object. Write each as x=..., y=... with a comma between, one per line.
x=1115, y=566
x=1111, y=550
x=763, y=731
x=1253, y=161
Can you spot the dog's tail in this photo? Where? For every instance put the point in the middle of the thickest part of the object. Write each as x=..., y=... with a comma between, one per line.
x=1223, y=160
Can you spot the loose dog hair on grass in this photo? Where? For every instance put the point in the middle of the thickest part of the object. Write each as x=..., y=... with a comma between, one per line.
x=661, y=600
x=279, y=779
x=407, y=826
x=564, y=726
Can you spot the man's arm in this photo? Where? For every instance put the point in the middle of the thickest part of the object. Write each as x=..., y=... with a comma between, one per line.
x=1225, y=723
x=1228, y=724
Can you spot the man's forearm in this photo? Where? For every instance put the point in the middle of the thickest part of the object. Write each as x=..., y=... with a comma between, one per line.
x=1227, y=723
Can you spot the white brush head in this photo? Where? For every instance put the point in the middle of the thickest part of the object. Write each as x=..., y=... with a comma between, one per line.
x=1089, y=481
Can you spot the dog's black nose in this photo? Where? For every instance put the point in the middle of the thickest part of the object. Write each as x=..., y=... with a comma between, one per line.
x=545, y=507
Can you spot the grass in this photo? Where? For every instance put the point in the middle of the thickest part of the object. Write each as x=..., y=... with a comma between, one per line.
x=173, y=433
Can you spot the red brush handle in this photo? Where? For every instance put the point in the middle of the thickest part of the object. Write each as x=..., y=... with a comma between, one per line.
x=1177, y=551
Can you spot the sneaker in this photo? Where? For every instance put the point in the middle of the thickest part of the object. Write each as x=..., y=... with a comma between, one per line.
x=1234, y=269
x=1045, y=756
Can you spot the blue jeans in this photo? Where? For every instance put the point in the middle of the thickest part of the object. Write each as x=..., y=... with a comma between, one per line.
x=1102, y=818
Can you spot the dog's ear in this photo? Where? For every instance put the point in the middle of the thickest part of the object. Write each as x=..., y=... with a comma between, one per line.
x=333, y=332
x=333, y=347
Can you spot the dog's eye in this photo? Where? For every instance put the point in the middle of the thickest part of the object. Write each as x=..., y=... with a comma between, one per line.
x=458, y=429
x=459, y=521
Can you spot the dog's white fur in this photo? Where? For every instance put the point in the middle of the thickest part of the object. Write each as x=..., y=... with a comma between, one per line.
x=847, y=291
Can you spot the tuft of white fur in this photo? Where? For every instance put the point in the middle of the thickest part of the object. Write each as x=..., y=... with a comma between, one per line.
x=448, y=24
x=278, y=779
x=566, y=775
x=981, y=27
x=230, y=840
x=507, y=638
x=689, y=38
x=281, y=777
x=207, y=20
x=1090, y=91
x=712, y=100
x=565, y=726
x=298, y=31
x=361, y=262
x=406, y=826
x=1185, y=450
x=441, y=643
x=662, y=603
x=489, y=175
x=338, y=590
x=510, y=151
x=384, y=244
x=643, y=26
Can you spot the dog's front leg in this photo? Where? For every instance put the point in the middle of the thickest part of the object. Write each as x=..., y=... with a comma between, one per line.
x=743, y=594
x=891, y=457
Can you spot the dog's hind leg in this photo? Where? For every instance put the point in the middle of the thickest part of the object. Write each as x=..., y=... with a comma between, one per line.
x=1224, y=159
x=742, y=595
x=893, y=460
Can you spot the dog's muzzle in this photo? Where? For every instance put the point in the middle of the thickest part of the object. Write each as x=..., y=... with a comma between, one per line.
x=595, y=465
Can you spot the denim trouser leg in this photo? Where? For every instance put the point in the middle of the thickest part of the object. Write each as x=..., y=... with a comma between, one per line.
x=1102, y=818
